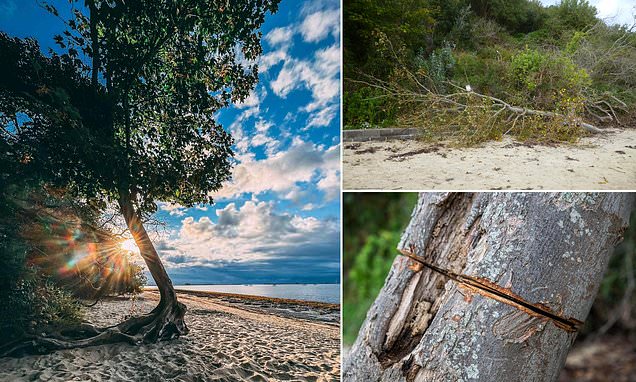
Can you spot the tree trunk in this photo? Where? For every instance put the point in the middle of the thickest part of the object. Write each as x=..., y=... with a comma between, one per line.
x=167, y=318
x=547, y=249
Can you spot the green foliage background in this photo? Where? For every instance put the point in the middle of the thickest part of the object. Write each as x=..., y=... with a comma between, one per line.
x=373, y=223
x=559, y=58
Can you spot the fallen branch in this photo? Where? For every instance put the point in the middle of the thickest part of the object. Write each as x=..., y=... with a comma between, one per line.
x=457, y=102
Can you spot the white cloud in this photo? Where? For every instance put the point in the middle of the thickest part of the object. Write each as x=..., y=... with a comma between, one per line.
x=321, y=77
x=263, y=125
x=260, y=140
x=330, y=182
x=318, y=25
x=296, y=194
x=280, y=36
x=281, y=172
x=172, y=209
x=319, y=74
x=254, y=99
x=251, y=108
x=323, y=117
x=309, y=207
x=253, y=232
x=616, y=11
x=272, y=58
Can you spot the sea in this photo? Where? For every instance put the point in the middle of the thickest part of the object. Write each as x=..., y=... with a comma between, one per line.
x=329, y=293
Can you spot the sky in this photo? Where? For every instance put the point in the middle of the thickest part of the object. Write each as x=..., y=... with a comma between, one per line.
x=277, y=220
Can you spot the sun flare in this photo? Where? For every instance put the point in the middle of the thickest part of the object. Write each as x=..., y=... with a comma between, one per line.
x=129, y=245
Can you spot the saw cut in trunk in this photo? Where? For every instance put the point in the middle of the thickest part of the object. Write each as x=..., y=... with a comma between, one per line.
x=489, y=287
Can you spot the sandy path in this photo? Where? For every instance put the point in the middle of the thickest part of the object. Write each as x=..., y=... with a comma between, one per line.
x=225, y=343
x=602, y=162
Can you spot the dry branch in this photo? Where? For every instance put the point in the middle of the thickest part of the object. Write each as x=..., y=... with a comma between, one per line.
x=458, y=102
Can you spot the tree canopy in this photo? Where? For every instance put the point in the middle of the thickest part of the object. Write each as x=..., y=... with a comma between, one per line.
x=130, y=107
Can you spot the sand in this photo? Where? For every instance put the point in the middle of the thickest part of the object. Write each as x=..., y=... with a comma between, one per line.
x=231, y=338
x=601, y=162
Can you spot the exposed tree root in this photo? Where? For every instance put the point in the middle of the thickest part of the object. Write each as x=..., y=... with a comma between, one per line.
x=165, y=322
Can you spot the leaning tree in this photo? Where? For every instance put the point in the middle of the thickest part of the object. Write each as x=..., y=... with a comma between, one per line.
x=127, y=116
x=489, y=287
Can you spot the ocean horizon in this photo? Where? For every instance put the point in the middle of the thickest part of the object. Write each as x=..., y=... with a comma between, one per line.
x=329, y=293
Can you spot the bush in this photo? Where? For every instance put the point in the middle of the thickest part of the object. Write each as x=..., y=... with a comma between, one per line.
x=34, y=304
x=483, y=70
x=571, y=15
x=437, y=68
x=547, y=78
x=367, y=107
x=486, y=32
x=51, y=256
x=29, y=300
x=517, y=16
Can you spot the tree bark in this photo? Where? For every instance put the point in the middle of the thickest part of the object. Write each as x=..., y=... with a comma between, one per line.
x=550, y=249
x=94, y=42
x=168, y=321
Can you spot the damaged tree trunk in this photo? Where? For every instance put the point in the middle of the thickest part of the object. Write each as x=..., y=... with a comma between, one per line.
x=515, y=274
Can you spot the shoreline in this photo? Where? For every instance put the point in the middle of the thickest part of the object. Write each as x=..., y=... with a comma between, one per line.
x=211, y=294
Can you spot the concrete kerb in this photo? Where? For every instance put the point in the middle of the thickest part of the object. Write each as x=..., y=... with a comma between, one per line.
x=380, y=134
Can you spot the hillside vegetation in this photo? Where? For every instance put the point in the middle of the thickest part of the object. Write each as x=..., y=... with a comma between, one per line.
x=476, y=70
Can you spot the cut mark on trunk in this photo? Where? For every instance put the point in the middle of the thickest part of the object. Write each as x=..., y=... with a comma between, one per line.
x=489, y=289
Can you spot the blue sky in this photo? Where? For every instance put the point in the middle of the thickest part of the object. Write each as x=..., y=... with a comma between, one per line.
x=277, y=220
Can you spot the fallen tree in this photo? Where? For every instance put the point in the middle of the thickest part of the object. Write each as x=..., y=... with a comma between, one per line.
x=451, y=108
x=489, y=287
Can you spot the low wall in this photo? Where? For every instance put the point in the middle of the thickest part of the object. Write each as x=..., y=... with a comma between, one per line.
x=380, y=134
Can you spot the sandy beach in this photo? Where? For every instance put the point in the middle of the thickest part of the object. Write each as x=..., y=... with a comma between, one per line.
x=603, y=162
x=231, y=338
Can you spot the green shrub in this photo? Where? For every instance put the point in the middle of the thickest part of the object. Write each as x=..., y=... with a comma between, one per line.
x=437, y=68
x=483, y=70
x=526, y=68
x=29, y=301
x=486, y=32
x=517, y=16
x=50, y=256
x=33, y=304
x=546, y=78
x=367, y=107
x=571, y=15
